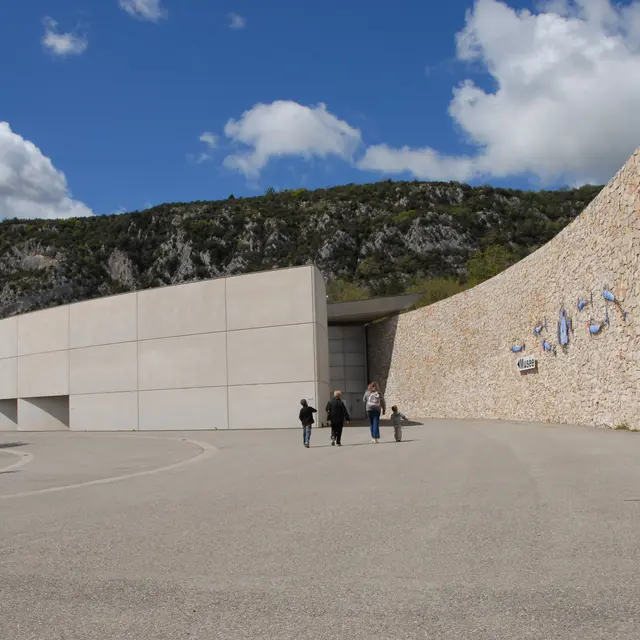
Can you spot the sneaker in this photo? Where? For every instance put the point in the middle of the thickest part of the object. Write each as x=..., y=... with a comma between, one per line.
x=373, y=441
x=339, y=444
x=377, y=440
x=307, y=445
x=333, y=443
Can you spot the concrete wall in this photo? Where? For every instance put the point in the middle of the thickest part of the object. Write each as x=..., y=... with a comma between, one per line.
x=272, y=322
x=9, y=338
x=8, y=415
x=161, y=312
x=321, y=325
x=43, y=414
x=104, y=411
x=8, y=378
x=217, y=354
x=454, y=360
x=43, y=374
x=103, y=321
x=43, y=331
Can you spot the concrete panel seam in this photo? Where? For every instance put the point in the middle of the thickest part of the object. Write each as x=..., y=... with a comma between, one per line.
x=69, y=367
x=187, y=335
x=107, y=393
x=101, y=393
x=269, y=326
x=102, y=344
x=264, y=384
x=137, y=362
x=17, y=374
x=226, y=352
x=312, y=275
x=315, y=352
x=182, y=335
x=49, y=395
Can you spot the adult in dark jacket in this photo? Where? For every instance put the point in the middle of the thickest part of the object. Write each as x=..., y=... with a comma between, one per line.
x=337, y=415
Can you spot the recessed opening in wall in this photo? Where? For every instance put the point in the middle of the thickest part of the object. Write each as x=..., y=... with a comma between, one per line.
x=43, y=413
x=9, y=415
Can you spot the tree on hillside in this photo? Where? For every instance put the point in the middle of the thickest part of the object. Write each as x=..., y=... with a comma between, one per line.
x=488, y=263
x=434, y=290
x=339, y=290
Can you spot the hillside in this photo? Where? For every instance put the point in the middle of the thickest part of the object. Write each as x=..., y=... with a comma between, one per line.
x=375, y=239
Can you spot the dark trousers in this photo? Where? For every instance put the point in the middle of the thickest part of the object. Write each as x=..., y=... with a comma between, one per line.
x=336, y=431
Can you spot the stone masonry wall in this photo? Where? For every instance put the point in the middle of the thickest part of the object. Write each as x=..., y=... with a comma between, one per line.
x=453, y=359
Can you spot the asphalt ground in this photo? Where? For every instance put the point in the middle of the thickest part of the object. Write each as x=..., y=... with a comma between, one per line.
x=464, y=530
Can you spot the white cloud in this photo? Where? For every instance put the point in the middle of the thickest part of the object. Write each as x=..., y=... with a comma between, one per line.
x=30, y=186
x=210, y=139
x=199, y=158
x=423, y=163
x=285, y=128
x=237, y=21
x=151, y=10
x=62, y=44
x=566, y=101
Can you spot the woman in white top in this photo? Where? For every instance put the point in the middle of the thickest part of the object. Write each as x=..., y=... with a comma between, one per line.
x=375, y=406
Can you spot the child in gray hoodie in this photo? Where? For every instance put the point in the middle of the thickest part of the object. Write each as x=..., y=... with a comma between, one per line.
x=396, y=421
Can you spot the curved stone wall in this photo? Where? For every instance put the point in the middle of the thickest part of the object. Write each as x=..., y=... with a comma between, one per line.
x=454, y=359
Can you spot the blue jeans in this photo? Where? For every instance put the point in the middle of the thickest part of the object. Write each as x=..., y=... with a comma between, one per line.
x=306, y=434
x=374, y=422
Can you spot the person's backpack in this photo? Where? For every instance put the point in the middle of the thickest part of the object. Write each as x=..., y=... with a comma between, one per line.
x=374, y=400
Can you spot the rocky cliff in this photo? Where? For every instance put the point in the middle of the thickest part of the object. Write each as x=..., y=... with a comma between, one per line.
x=380, y=237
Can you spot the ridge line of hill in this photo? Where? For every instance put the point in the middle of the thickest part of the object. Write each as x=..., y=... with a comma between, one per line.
x=373, y=239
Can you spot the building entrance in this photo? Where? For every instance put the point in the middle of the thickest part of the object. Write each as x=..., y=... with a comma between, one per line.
x=348, y=366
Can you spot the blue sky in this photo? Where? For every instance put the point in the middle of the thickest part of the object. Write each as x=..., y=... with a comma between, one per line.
x=119, y=99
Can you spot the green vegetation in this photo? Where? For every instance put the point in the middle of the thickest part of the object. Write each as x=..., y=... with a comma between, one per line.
x=623, y=426
x=339, y=290
x=488, y=263
x=435, y=289
x=375, y=239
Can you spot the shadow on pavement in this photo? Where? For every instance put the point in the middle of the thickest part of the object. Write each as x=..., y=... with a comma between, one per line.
x=384, y=422
x=356, y=444
x=11, y=445
x=371, y=444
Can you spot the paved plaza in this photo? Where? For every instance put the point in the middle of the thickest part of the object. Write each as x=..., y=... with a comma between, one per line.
x=484, y=531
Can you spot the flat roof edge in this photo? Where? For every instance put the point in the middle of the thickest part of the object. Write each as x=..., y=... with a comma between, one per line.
x=370, y=309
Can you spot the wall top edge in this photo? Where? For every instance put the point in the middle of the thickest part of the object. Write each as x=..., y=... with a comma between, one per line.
x=312, y=267
x=632, y=164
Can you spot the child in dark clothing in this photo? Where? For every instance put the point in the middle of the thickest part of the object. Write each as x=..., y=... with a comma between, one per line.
x=306, y=418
